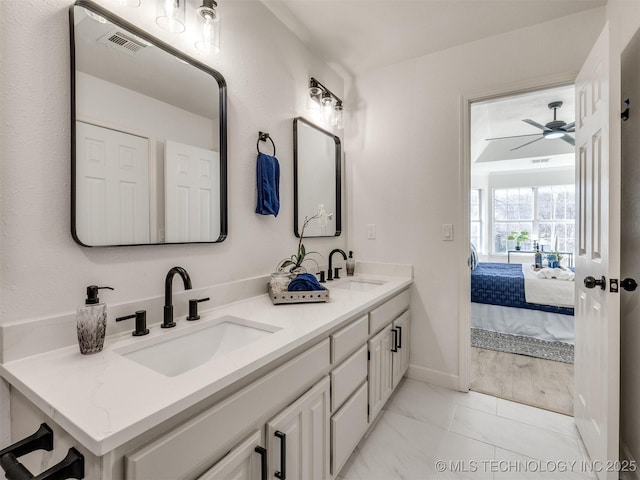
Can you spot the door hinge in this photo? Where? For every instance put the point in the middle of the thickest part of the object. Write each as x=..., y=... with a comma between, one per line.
x=613, y=285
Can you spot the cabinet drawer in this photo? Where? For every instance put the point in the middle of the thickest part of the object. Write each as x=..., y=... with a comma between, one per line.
x=347, y=428
x=347, y=340
x=203, y=439
x=388, y=311
x=347, y=377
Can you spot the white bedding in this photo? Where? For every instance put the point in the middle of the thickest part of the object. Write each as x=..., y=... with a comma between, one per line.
x=547, y=291
x=521, y=321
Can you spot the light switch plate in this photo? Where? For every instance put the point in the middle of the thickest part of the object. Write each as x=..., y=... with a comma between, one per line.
x=371, y=231
x=447, y=232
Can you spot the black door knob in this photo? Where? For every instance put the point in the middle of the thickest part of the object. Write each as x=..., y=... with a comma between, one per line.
x=591, y=282
x=629, y=284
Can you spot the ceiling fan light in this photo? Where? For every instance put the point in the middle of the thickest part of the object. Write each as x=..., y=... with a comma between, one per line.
x=553, y=135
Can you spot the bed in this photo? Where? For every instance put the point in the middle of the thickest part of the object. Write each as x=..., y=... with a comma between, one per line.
x=510, y=298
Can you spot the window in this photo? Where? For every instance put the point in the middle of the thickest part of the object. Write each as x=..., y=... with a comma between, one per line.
x=546, y=213
x=476, y=219
x=556, y=217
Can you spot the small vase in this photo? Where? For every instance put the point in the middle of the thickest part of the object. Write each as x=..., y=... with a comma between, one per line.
x=280, y=281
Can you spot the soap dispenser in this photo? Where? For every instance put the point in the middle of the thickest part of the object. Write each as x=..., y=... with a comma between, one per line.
x=351, y=264
x=92, y=322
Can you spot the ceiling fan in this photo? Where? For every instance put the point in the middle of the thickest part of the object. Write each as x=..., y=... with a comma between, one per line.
x=554, y=129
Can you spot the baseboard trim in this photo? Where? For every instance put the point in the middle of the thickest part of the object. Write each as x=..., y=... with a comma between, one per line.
x=625, y=455
x=435, y=377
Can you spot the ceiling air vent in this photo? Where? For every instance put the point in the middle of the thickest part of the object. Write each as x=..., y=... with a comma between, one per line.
x=123, y=42
x=540, y=160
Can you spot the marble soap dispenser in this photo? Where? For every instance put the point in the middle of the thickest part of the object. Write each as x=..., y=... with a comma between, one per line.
x=351, y=264
x=92, y=322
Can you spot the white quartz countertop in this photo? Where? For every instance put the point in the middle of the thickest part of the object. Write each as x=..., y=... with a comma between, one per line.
x=104, y=400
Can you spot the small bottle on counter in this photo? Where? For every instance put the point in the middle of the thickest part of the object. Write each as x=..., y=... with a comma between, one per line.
x=538, y=258
x=92, y=322
x=351, y=264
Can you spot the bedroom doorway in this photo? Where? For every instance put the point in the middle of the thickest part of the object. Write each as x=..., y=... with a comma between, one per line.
x=522, y=230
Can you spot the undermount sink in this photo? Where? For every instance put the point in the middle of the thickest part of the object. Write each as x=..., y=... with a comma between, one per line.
x=186, y=351
x=357, y=285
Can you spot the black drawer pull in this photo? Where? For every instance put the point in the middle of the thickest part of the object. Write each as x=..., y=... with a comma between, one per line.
x=263, y=462
x=399, y=336
x=394, y=348
x=282, y=474
x=41, y=440
x=71, y=466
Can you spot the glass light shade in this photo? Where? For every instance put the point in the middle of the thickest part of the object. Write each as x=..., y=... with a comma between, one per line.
x=170, y=15
x=327, y=108
x=128, y=3
x=208, y=25
x=553, y=135
x=338, y=114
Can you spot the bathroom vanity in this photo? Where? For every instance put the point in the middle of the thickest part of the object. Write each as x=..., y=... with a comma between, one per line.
x=292, y=397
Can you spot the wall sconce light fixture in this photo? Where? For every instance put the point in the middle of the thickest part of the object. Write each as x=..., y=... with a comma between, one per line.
x=323, y=99
x=170, y=15
x=208, y=21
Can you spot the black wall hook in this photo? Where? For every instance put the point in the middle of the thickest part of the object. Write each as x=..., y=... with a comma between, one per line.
x=263, y=137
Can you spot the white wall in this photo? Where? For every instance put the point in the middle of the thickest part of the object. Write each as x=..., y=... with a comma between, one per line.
x=630, y=238
x=43, y=272
x=404, y=145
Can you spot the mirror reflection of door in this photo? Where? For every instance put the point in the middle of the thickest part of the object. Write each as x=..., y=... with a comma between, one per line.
x=112, y=171
x=192, y=203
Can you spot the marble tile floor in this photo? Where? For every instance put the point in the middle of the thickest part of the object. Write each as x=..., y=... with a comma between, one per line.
x=427, y=432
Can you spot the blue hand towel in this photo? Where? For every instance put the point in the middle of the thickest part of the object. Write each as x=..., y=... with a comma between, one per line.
x=268, y=175
x=305, y=282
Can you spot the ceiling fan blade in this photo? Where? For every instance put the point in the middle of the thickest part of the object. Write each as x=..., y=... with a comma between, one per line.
x=514, y=136
x=535, y=124
x=528, y=143
x=569, y=139
x=570, y=126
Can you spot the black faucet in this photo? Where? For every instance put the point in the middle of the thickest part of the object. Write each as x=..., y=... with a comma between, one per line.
x=330, y=272
x=168, y=304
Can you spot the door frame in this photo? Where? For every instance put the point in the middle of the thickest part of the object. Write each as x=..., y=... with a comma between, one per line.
x=464, y=214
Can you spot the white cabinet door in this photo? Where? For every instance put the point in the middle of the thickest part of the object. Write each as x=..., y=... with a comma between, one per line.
x=244, y=462
x=298, y=437
x=380, y=365
x=401, y=355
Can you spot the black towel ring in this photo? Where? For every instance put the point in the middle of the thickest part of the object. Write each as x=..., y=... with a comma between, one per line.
x=263, y=137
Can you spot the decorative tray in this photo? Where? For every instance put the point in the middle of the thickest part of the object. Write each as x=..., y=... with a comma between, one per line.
x=300, y=296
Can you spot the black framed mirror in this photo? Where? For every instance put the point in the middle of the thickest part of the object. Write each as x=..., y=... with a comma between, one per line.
x=317, y=180
x=148, y=137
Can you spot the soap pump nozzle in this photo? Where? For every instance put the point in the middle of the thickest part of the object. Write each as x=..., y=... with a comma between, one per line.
x=92, y=294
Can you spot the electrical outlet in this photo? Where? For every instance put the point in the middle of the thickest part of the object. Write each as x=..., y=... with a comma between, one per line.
x=371, y=231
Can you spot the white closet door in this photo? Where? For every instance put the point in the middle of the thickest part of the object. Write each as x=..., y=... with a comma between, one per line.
x=192, y=193
x=112, y=175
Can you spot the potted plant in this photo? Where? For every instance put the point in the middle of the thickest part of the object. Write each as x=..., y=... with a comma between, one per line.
x=288, y=267
x=522, y=236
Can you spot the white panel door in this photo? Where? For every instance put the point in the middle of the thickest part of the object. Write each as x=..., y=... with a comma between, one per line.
x=192, y=193
x=298, y=437
x=112, y=185
x=244, y=462
x=597, y=313
x=380, y=371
